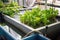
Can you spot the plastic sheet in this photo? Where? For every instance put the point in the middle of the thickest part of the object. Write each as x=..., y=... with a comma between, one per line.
x=6, y=35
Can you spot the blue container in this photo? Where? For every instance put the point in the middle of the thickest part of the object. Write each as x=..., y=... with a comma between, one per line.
x=6, y=34
x=36, y=37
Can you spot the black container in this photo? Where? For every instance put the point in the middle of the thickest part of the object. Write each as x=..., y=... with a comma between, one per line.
x=1, y=18
x=53, y=31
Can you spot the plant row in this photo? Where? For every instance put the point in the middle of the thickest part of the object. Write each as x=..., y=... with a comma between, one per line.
x=9, y=8
x=37, y=17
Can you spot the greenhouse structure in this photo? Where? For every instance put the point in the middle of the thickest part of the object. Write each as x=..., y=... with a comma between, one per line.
x=29, y=19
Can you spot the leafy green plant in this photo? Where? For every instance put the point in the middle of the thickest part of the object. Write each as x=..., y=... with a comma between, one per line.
x=10, y=9
x=49, y=15
x=37, y=17
x=30, y=17
x=12, y=4
x=1, y=4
